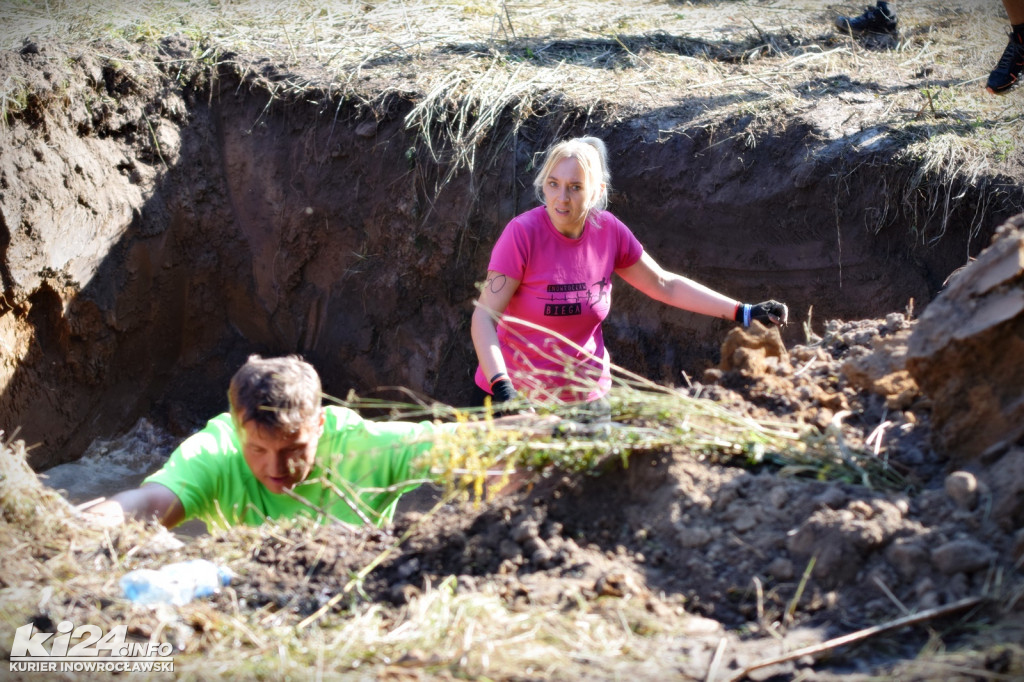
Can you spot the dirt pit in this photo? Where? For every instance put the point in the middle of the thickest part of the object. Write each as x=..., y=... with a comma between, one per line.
x=162, y=220
x=165, y=219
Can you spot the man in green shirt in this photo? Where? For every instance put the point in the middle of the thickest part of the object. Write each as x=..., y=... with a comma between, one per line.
x=279, y=453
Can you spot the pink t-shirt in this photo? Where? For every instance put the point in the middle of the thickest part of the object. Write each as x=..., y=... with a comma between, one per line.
x=565, y=286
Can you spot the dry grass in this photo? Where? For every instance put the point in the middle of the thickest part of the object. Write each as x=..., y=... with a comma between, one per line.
x=467, y=64
x=645, y=417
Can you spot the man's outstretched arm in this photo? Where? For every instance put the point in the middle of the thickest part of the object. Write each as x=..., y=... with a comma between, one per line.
x=149, y=501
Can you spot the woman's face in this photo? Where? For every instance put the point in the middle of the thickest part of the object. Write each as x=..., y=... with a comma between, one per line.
x=565, y=196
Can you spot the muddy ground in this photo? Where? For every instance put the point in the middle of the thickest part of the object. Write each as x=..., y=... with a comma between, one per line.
x=162, y=218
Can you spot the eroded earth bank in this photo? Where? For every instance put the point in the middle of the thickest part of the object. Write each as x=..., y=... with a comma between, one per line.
x=161, y=219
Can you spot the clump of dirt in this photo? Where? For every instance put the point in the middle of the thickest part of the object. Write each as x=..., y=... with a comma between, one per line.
x=965, y=352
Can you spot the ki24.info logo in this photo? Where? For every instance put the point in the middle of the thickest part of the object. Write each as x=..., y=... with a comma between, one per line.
x=86, y=649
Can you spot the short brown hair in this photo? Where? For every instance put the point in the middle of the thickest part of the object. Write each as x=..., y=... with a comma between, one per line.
x=281, y=393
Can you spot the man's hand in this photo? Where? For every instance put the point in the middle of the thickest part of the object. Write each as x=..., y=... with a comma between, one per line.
x=527, y=422
x=150, y=501
x=102, y=512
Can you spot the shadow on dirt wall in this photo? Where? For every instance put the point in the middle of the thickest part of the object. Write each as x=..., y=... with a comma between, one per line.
x=266, y=226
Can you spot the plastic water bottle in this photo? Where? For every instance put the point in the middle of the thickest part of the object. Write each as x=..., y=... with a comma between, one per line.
x=177, y=583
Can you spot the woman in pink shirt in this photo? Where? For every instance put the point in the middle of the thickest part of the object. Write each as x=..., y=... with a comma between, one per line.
x=537, y=325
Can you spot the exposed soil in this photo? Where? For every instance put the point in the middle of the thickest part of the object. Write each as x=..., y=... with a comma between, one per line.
x=159, y=221
x=163, y=220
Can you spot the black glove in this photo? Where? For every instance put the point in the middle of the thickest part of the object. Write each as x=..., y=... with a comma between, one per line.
x=767, y=313
x=506, y=401
x=502, y=391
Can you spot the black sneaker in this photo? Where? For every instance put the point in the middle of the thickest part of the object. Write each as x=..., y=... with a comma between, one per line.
x=1007, y=71
x=877, y=19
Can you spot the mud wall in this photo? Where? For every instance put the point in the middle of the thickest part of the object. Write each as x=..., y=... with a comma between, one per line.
x=158, y=225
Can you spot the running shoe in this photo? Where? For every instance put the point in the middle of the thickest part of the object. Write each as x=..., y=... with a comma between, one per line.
x=877, y=19
x=1007, y=71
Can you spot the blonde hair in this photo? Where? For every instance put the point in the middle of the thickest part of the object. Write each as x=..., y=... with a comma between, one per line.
x=592, y=156
x=281, y=394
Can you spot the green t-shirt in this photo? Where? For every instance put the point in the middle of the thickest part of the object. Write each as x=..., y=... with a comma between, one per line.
x=360, y=464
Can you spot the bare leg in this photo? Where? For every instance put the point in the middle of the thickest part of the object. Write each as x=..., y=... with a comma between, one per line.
x=1015, y=11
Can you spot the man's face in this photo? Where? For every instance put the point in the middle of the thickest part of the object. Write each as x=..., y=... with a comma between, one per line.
x=279, y=460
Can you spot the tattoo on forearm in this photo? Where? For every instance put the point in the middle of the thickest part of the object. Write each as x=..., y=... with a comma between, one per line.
x=496, y=283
